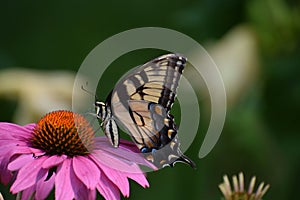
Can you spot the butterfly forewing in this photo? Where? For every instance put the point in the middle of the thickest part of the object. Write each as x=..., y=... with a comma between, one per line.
x=155, y=81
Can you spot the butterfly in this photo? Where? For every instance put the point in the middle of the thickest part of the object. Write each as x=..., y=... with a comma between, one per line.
x=141, y=103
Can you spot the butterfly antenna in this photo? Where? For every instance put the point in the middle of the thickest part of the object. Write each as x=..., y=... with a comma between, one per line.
x=89, y=92
x=95, y=96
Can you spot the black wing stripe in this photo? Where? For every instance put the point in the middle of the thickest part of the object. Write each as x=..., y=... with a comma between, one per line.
x=139, y=120
x=139, y=129
x=137, y=80
x=139, y=140
x=122, y=96
x=144, y=76
x=150, y=136
x=144, y=138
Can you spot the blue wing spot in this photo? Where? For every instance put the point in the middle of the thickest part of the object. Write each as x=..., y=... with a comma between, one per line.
x=153, y=151
x=145, y=150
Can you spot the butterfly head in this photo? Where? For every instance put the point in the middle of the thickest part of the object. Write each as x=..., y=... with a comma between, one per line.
x=101, y=110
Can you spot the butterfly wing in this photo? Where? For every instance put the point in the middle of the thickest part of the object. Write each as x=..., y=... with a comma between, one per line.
x=141, y=103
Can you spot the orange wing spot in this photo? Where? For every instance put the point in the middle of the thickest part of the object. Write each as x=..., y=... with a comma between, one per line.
x=148, y=122
x=162, y=162
x=172, y=144
x=170, y=132
x=166, y=121
x=150, y=158
x=158, y=110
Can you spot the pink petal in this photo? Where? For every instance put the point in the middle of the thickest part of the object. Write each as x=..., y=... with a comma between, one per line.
x=17, y=131
x=119, y=180
x=92, y=194
x=107, y=189
x=87, y=171
x=36, y=152
x=7, y=154
x=20, y=161
x=4, y=172
x=27, y=193
x=21, y=150
x=53, y=161
x=115, y=176
x=6, y=175
x=63, y=186
x=12, y=148
x=86, y=194
x=81, y=191
x=4, y=135
x=6, y=149
x=8, y=145
x=118, y=171
x=68, y=186
x=110, y=161
x=123, y=143
x=43, y=188
x=27, y=175
x=129, y=156
x=139, y=178
x=127, y=151
x=129, y=145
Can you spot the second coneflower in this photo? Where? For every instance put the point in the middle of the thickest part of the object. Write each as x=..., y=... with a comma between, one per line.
x=61, y=151
x=239, y=192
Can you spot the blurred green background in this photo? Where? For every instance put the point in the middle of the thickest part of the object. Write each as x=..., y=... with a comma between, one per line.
x=262, y=132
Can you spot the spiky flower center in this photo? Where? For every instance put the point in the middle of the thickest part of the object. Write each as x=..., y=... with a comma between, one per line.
x=63, y=132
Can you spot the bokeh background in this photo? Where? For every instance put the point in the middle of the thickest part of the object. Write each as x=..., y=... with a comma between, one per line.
x=255, y=43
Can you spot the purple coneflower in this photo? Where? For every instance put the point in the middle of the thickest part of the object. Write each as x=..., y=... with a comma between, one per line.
x=61, y=151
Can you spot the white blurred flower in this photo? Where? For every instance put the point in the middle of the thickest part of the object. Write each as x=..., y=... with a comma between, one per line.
x=236, y=56
x=36, y=91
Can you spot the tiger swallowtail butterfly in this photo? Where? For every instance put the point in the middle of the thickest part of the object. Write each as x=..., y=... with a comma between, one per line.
x=141, y=104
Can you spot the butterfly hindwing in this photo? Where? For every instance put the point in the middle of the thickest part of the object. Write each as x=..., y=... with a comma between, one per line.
x=155, y=133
